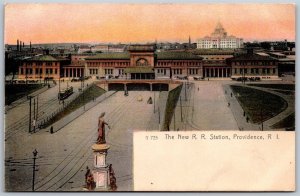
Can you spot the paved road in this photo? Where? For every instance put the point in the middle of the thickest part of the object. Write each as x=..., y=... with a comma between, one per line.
x=204, y=109
x=63, y=156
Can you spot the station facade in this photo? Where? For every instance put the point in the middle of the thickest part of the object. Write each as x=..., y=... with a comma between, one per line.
x=145, y=62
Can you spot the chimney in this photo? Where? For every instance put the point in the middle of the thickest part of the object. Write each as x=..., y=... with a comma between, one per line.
x=23, y=44
x=30, y=45
x=20, y=46
x=17, y=45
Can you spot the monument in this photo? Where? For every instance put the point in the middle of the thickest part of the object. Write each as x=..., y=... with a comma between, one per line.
x=102, y=173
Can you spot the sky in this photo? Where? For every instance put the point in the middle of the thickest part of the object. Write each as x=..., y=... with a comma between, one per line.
x=132, y=23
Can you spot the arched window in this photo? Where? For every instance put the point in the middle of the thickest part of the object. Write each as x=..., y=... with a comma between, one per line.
x=142, y=62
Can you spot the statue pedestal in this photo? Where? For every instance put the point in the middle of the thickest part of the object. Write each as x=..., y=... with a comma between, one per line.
x=101, y=168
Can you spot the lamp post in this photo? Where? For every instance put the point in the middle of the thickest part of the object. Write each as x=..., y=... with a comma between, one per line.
x=33, y=172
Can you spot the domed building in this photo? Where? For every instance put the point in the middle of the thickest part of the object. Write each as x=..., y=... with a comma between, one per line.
x=219, y=39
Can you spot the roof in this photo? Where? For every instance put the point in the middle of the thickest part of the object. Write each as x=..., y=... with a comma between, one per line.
x=110, y=55
x=250, y=57
x=177, y=56
x=46, y=58
x=142, y=47
x=139, y=69
x=262, y=54
x=277, y=53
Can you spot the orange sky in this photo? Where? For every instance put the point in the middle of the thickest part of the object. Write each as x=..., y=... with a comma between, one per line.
x=54, y=23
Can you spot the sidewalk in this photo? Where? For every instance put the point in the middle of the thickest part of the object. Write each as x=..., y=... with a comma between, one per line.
x=238, y=111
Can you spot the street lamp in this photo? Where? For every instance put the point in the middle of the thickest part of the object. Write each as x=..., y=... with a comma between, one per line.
x=33, y=172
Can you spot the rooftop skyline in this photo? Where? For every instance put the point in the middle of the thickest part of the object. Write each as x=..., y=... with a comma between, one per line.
x=59, y=23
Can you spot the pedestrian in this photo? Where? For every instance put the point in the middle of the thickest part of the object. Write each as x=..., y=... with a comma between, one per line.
x=228, y=104
x=247, y=119
x=198, y=88
x=231, y=94
x=207, y=79
x=51, y=129
x=244, y=113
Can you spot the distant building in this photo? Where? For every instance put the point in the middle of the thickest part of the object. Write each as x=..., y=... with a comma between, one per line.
x=41, y=67
x=253, y=65
x=219, y=39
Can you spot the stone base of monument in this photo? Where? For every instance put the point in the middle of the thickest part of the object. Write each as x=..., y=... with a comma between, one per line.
x=101, y=168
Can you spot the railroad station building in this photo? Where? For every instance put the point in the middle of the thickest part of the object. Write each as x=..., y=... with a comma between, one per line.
x=146, y=63
x=143, y=62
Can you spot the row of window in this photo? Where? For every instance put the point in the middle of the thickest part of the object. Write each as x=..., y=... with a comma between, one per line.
x=255, y=71
x=93, y=71
x=177, y=71
x=41, y=64
x=108, y=71
x=38, y=71
x=107, y=64
x=255, y=63
x=178, y=63
x=162, y=71
x=193, y=71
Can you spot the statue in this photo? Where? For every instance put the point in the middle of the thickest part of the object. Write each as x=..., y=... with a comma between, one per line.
x=101, y=129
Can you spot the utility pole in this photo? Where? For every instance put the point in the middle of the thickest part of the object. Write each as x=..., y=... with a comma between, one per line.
x=154, y=102
x=158, y=118
x=33, y=172
x=29, y=114
x=261, y=112
x=83, y=91
x=185, y=90
x=34, y=121
x=181, y=108
x=37, y=107
x=174, y=119
x=33, y=108
x=59, y=89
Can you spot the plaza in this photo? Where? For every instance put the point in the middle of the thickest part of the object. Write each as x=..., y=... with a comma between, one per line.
x=64, y=155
